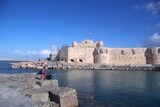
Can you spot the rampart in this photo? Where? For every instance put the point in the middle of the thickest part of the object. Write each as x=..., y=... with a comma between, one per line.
x=90, y=52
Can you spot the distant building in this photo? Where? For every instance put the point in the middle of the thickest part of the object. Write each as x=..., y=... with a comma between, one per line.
x=90, y=52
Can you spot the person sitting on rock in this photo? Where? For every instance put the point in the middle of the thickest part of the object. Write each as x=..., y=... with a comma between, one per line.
x=43, y=73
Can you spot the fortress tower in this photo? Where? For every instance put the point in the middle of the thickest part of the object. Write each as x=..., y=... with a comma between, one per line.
x=101, y=55
x=153, y=55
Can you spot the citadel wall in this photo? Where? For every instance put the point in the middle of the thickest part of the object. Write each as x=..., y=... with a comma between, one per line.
x=78, y=52
x=80, y=55
x=90, y=52
x=82, y=52
x=121, y=56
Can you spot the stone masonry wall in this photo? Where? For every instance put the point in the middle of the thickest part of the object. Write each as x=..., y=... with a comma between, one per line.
x=90, y=52
x=63, y=54
x=125, y=56
x=80, y=55
x=120, y=56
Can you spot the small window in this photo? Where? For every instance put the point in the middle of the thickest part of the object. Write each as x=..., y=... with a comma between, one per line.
x=80, y=60
x=72, y=60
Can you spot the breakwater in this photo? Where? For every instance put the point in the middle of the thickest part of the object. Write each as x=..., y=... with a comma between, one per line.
x=31, y=92
x=83, y=66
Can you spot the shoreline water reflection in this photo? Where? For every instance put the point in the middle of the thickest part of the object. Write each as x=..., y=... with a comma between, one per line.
x=102, y=88
x=115, y=88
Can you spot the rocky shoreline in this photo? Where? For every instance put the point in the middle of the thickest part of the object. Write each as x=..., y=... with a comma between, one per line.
x=23, y=90
x=82, y=66
x=29, y=64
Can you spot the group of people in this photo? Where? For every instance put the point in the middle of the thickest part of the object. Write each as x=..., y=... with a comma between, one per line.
x=43, y=74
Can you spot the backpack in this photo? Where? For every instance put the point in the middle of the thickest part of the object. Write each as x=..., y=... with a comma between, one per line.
x=49, y=76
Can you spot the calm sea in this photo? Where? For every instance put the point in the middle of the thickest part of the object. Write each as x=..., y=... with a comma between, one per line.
x=102, y=88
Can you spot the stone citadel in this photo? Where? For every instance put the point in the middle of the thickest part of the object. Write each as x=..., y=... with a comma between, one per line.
x=89, y=52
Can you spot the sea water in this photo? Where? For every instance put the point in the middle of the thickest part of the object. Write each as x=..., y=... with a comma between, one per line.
x=104, y=88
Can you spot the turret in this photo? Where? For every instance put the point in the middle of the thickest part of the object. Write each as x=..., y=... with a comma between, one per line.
x=101, y=55
x=100, y=44
x=153, y=55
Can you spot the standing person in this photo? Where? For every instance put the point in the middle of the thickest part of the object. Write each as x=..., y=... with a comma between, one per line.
x=43, y=73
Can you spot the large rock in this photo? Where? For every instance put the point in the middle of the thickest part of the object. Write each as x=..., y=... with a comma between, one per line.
x=21, y=77
x=65, y=97
x=12, y=98
x=37, y=95
x=43, y=92
x=40, y=94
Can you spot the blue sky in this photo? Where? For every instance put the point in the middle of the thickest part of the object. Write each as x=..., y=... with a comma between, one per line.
x=28, y=28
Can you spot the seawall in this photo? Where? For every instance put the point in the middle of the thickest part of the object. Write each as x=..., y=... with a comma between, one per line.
x=24, y=90
x=83, y=66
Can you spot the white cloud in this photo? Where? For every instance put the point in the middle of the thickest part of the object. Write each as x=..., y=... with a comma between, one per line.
x=153, y=7
x=30, y=52
x=152, y=41
x=30, y=55
x=18, y=52
x=155, y=37
x=44, y=52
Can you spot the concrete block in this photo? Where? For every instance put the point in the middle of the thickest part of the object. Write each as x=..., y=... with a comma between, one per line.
x=35, y=86
x=65, y=97
x=48, y=104
x=12, y=98
x=38, y=96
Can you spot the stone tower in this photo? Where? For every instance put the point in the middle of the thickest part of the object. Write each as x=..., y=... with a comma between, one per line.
x=153, y=55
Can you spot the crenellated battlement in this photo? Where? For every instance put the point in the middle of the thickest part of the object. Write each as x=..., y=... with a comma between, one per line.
x=87, y=44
